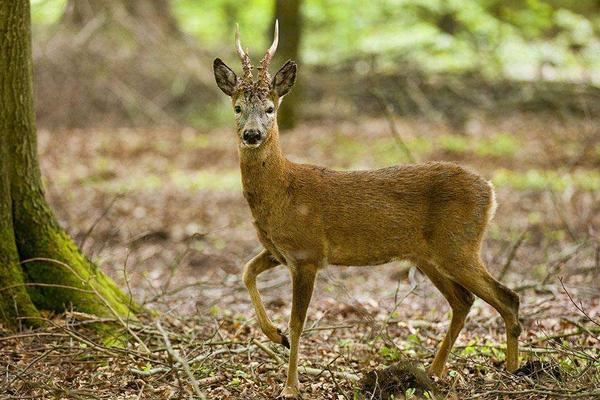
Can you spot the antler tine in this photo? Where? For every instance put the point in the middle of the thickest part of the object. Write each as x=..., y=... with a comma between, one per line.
x=273, y=47
x=238, y=44
x=263, y=70
x=246, y=64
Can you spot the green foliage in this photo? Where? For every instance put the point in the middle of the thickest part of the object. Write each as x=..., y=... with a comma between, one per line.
x=213, y=22
x=499, y=145
x=499, y=38
x=390, y=353
x=538, y=180
x=45, y=12
x=487, y=349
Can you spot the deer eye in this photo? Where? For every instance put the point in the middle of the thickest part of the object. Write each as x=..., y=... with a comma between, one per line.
x=270, y=110
x=237, y=109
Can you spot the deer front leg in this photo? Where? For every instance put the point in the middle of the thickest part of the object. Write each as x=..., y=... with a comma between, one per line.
x=303, y=281
x=261, y=263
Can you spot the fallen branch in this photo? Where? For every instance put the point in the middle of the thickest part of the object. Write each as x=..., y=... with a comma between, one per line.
x=211, y=380
x=200, y=358
x=338, y=374
x=180, y=360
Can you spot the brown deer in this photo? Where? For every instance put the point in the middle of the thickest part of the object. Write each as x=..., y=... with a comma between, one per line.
x=306, y=217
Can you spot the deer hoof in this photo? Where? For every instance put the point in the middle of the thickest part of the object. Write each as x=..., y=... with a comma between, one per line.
x=284, y=340
x=289, y=392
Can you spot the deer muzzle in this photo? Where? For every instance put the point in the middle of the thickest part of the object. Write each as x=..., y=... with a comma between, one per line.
x=252, y=137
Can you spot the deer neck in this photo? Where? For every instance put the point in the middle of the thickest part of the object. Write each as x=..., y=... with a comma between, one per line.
x=264, y=172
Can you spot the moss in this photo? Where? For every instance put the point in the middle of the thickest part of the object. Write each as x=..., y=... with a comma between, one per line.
x=49, y=256
x=14, y=300
x=93, y=293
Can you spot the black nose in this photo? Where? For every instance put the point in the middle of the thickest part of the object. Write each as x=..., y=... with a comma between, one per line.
x=251, y=136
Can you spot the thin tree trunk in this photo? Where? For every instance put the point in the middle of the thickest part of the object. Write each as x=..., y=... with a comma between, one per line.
x=290, y=23
x=60, y=277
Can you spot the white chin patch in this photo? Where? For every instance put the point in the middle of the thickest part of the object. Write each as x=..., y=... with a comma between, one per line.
x=251, y=145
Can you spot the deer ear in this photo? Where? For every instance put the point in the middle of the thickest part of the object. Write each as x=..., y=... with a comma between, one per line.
x=284, y=79
x=225, y=77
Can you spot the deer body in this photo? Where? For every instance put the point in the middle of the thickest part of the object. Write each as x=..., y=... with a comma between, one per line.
x=359, y=218
x=306, y=217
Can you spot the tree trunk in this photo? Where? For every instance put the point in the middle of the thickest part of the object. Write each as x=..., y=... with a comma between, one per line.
x=290, y=23
x=40, y=266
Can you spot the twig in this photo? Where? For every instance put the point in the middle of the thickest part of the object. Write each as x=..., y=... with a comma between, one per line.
x=337, y=385
x=559, y=207
x=34, y=334
x=97, y=293
x=180, y=360
x=200, y=358
x=35, y=360
x=563, y=257
x=268, y=351
x=582, y=329
x=133, y=99
x=52, y=285
x=512, y=254
x=597, y=262
x=97, y=220
x=389, y=114
x=578, y=306
x=211, y=380
x=421, y=100
x=544, y=392
x=87, y=342
x=150, y=372
x=307, y=370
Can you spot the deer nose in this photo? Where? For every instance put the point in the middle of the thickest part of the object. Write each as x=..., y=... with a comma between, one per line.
x=251, y=136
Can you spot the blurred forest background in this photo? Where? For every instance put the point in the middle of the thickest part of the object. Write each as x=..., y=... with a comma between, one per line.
x=139, y=160
x=147, y=61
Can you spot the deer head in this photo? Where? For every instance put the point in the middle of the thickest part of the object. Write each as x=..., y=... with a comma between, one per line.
x=255, y=101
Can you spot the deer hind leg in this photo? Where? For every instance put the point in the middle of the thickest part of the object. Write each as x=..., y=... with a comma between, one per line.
x=303, y=281
x=460, y=300
x=261, y=263
x=477, y=279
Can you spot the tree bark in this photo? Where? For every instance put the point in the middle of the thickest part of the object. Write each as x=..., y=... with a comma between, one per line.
x=290, y=23
x=40, y=266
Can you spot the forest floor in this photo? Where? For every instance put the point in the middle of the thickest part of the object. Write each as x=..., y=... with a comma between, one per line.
x=162, y=212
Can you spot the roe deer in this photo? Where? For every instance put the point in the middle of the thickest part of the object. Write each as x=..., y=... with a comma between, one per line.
x=306, y=217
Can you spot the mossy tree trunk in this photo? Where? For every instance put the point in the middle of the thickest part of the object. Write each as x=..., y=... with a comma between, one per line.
x=40, y=266
x=290, y=21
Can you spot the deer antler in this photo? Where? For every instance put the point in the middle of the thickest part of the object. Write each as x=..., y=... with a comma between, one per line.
x=264, y=78
x=246, y=63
